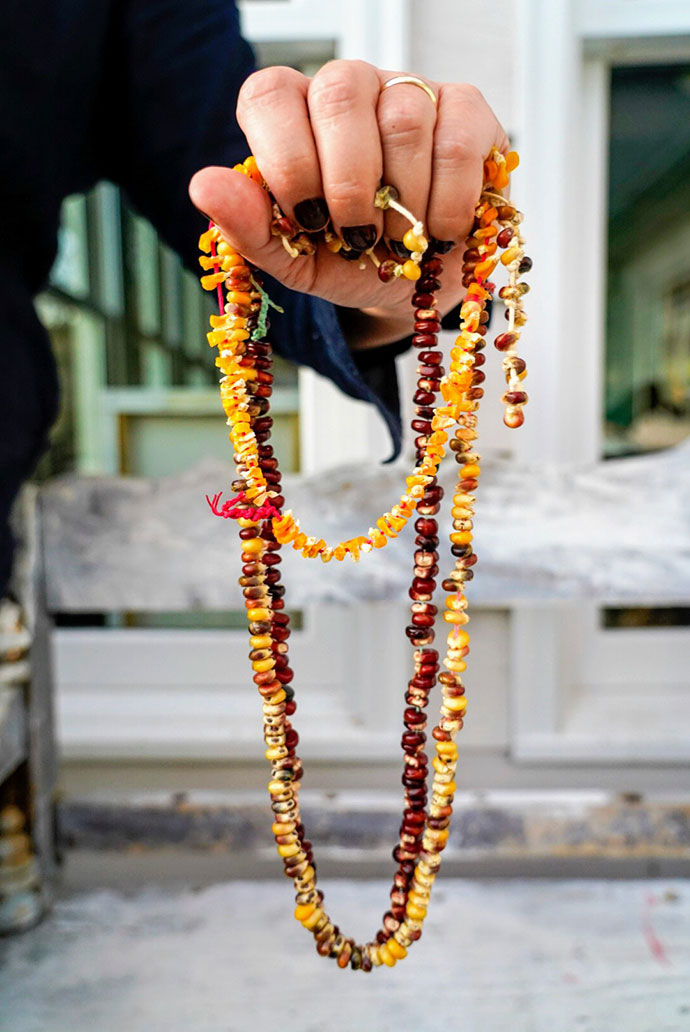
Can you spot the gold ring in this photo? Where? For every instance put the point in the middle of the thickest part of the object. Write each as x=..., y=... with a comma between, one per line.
x=411, y=80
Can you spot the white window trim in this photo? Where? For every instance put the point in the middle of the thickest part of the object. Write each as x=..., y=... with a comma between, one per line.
x=566, y=51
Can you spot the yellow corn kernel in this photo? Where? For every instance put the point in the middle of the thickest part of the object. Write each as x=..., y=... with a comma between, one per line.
x=456, y=703
x=413, y=242
x=260, y=641
x=448, y=750
x=509, y=255
x=448, y=788
x=308, y=876
x=238, y=297
x=253, y=545
x=398, y=951
x=439, y=836
x=290, y=849
x=512, y=161
x=456, y=665
x=277, y=788
x=411, y=270
x=280, y=828
x=416, y=913
x=461, y=537
x=455, y=618
x=386, y=956
x=304, y=910
x=276, y=752
x=263, y=665
x=258, y=615
x=313, y=919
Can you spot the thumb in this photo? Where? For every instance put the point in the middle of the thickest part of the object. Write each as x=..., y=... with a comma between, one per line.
x=242, y=211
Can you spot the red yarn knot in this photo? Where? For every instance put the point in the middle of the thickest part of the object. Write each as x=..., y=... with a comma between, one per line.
x=228, y=510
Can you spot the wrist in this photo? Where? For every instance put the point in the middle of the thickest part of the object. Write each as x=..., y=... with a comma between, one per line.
x=373, y=327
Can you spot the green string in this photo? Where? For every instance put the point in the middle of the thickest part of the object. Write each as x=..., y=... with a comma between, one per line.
x=266, y=303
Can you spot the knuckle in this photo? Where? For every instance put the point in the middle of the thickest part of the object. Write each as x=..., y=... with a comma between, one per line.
x=455, y=148
x=332, y=97
x=337, y=86
x=401, y=126
x=471, y=94
x=344, y=194
x=262, y=88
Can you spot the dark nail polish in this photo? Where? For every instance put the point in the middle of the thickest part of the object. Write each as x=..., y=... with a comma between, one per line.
x=312, y=214
x=351, y=255
x=399, y=249
x=360, y=238
x=440, y=246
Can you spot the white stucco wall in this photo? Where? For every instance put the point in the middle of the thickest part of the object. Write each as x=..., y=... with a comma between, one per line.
x=456, y=41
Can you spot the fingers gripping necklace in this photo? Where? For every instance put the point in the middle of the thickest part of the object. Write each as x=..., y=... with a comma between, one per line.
x=244, y=358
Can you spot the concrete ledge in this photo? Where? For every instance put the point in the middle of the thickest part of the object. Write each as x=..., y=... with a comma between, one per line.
x=554, y=832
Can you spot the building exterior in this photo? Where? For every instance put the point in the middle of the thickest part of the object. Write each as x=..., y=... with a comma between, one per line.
x=563, y=691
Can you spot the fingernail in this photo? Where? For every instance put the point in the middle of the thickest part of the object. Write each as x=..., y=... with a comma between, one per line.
x=361, y=238
x=350, y=256
x=312, y=214
x=440, y=246
x=399, y=249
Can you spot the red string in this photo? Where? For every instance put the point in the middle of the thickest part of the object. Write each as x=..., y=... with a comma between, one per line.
x=216, y=268
x=228, y=510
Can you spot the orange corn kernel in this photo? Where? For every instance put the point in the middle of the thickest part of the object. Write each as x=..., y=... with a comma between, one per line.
x=501, y=180
x=485, y=268
x=212, y=281
x=207, y=238
x=253, y=170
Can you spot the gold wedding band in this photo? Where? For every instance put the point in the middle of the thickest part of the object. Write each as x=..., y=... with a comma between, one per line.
x=411, y=80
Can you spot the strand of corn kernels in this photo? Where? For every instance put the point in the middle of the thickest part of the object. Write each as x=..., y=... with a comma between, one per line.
x=230, y=333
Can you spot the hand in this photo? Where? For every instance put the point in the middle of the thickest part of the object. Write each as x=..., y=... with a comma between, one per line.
x=325, y=145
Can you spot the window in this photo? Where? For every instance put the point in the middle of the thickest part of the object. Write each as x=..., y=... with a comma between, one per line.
x=647, y=364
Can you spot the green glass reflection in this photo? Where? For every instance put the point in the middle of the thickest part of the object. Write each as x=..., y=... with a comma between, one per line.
x=647, y=373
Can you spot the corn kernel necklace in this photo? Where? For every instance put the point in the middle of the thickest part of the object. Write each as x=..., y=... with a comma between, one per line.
x=245, y=362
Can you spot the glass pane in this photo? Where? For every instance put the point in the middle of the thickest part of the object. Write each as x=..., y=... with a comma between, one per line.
x=156, y=445
x=647, y=375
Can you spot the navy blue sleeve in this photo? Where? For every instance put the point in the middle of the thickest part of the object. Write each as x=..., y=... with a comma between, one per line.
x=171, y=111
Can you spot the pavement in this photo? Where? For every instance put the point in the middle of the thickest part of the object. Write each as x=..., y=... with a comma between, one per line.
x=518, y=955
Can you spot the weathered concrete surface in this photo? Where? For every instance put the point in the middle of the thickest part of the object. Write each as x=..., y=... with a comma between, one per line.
x=518, y=956
x=354, y=826
x=617, y=531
